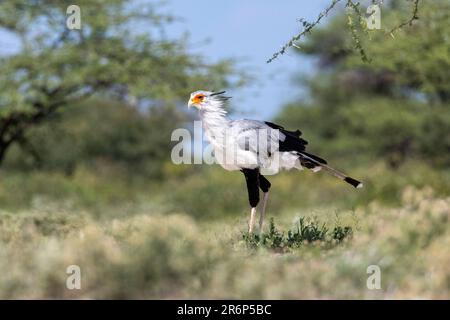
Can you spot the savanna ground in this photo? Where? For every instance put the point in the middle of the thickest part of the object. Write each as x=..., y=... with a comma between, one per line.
x=149, y=246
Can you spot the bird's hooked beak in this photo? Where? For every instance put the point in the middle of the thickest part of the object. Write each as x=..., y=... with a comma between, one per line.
x=194, y=101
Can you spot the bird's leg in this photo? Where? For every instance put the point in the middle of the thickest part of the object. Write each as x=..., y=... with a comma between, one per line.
x=263, y=211
x=252, y=180
x=264, y=184
x=251, y=223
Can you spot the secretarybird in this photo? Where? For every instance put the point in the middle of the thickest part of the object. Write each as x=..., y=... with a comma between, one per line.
x=255, y=148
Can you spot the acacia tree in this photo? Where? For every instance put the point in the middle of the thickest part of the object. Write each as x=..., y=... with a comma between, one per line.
x=119, y=51
x=356, y=23
x=396, y=107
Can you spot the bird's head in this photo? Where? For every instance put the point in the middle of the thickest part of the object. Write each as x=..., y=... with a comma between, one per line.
x=203, y=99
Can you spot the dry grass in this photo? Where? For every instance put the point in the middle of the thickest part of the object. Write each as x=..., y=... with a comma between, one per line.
x=149, y=255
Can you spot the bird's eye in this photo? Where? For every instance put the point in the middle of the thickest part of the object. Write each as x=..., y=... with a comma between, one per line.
x=200, y=97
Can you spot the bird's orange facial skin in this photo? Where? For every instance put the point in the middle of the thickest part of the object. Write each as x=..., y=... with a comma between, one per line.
x=197, y=99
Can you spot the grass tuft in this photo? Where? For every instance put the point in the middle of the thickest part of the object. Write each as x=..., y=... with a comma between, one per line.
x=305, y=232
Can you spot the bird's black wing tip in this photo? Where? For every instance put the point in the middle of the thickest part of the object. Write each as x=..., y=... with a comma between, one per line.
x=357, y=184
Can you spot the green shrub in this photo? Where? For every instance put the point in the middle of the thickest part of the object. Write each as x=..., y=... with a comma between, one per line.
x=306, y=232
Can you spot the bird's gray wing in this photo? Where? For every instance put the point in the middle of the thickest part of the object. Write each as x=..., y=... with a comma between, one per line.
x=256, y=136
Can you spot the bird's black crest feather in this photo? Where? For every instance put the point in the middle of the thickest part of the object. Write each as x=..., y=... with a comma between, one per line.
x=217, y=93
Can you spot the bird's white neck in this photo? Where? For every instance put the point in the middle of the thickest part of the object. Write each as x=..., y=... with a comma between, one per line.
x=214, y=119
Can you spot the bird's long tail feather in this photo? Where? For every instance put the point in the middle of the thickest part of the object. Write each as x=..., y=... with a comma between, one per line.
x=355, y=183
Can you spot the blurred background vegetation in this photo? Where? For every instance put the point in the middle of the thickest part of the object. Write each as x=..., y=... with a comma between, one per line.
x=86, y=174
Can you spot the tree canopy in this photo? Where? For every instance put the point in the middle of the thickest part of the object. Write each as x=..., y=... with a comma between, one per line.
x=396, y=107
x=120, y=52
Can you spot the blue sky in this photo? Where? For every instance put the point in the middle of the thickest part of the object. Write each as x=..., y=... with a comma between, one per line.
x=250, y=30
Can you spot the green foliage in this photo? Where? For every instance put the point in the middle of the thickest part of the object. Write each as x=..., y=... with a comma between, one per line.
x=416, y=58
x=306, y=232
x=56, y=67
x=211, y=193
x=103, y=135
x=394, y=108
x=354, y=13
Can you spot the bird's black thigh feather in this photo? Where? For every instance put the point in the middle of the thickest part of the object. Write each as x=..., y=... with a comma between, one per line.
x=264, y=184
x=252, y=180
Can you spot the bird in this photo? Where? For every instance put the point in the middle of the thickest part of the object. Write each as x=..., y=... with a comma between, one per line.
x=255, y=148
